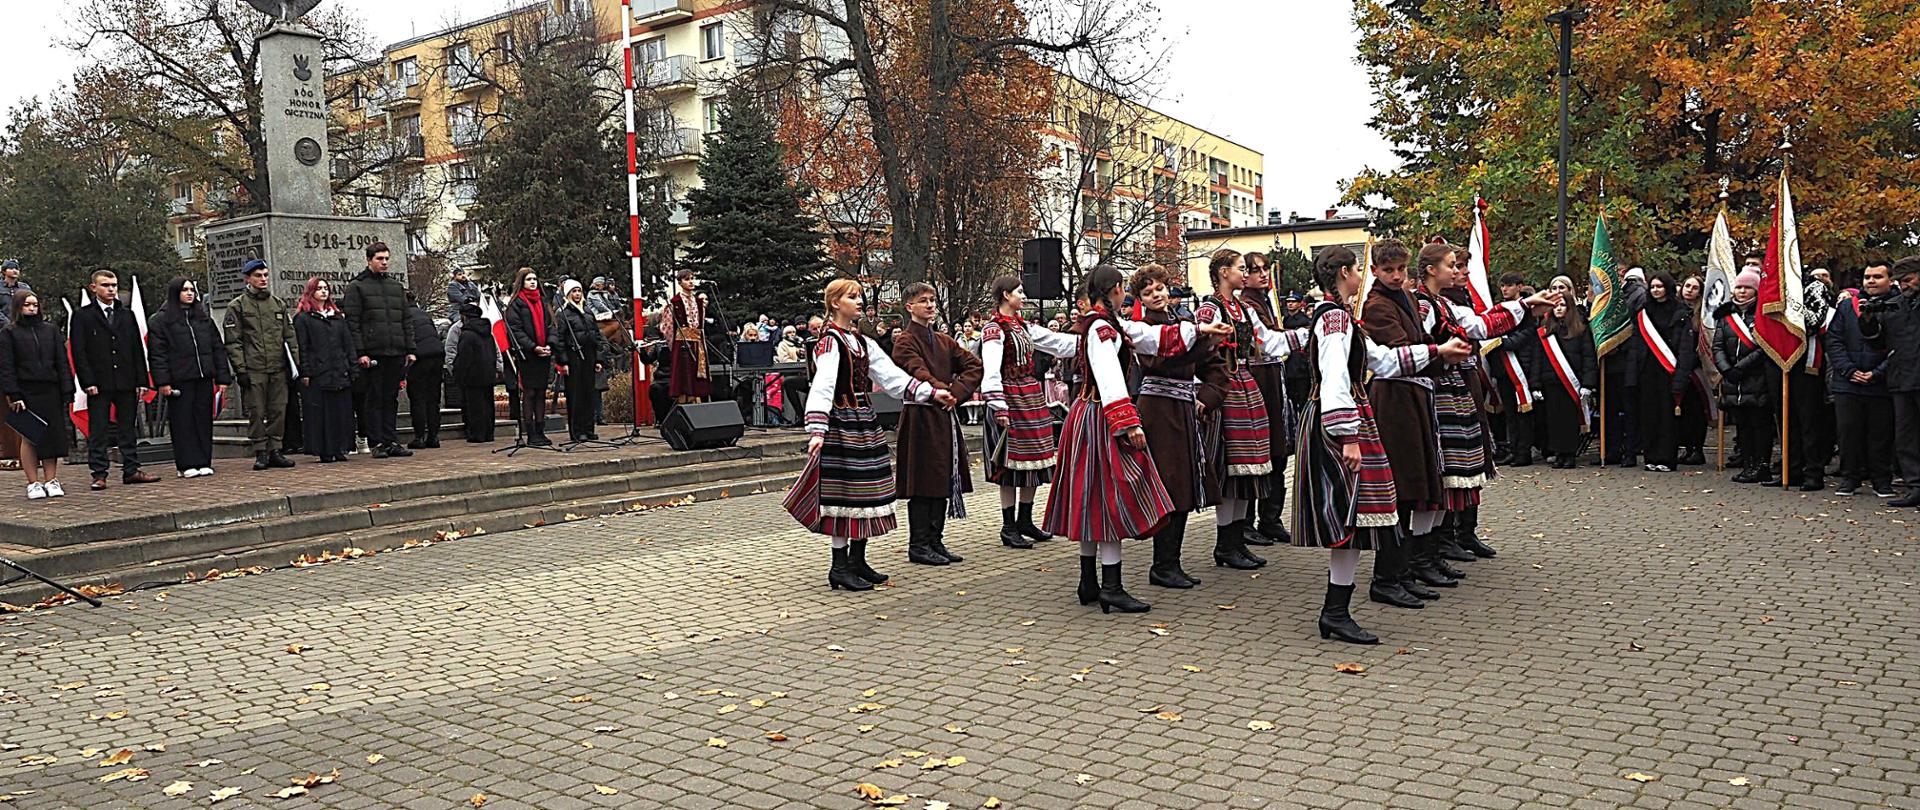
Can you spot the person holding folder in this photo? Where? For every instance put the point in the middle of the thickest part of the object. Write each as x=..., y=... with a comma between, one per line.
x=39, y=384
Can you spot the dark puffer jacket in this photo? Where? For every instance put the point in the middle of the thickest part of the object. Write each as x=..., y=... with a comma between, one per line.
x=1746, y=372
x=184, y=345
x=376, y=308
x=33, y=353
x=575, y=338
x=1901, y=326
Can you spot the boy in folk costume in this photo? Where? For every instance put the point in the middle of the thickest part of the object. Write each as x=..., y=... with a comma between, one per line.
x=686, y=333
x=932, y=474
x=1174, y=393
x=846, y=491
x=1271, y=375
x=1243, y=445
x=1404, y=407
x=1466, y=447
x=1344, y=493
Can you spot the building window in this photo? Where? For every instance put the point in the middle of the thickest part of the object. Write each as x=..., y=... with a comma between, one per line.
x=463, y=124
x=649, y=52
x=467, y=233
x=462, y=69
x=710, y=113
x=359, y=99
x=713, y=41
x=503, y=47
x=466, y=182
x=407, y=71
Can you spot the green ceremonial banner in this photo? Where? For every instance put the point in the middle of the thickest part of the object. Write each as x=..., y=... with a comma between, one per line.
x=1607, y=316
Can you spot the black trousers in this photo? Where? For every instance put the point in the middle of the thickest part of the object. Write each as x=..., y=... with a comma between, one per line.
x=1559, y=415
x=1906, y=434
x=1810, y=436
x=476, y=412
x=329, y=421
x=113, y=416
x=294, y=438
x=1753, y=439
x=580, y=398
x=1623, y=418
x=535, y=375
x=424, y=381
x=1866, y=448
x=383, y=399
x=1659, y=427
x=1692, y=426
x=190, y=424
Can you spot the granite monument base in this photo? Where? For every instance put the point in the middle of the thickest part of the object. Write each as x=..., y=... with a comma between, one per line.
x=297, y=247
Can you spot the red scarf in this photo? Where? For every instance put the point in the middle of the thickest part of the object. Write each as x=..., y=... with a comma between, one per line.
x=533, y=301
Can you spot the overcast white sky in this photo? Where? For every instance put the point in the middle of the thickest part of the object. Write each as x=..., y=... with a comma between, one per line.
x=1265, y=74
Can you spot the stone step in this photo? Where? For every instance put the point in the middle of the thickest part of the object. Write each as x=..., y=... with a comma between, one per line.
x=279, y=542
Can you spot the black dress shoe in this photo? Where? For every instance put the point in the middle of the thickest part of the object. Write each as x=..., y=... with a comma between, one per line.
x=1419, y=591
x=1912, y=498
x=1479, y=547
x=417, y=444
x=1390, y=593
x=396, y=451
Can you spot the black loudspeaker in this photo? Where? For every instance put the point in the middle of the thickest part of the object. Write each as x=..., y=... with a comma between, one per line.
x=1040, y=263
x=703, y=426
x=886, y=409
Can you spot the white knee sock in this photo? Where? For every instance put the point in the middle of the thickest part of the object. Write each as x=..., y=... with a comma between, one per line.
x=1088, y=548
x=1109, y=553
x=839, y=542
x=1341, y=563
x=1423, y=522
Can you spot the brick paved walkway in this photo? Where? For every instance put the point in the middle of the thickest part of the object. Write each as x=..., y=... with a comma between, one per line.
x=1738, y=646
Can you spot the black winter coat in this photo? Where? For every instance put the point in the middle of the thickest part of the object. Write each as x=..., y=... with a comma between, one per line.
x=110, y=357
x=521, y=339
x=1581, y=355
x=474, y=362
x=1747, y=374
x=183, y=347
x=1674, y=320
x=1633, y=351
x=327, y=355
x=376, y=308
x=575, y=338
x=33, y=353
x=425, y=336
x=1901, y=329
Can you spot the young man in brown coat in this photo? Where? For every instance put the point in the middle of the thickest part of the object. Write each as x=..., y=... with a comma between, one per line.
x=932, y=472
x=1404, y=408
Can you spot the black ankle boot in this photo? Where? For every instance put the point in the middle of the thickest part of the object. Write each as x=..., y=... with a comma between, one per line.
x=937, y=534
x=1389, y=592
x=857, y=562
x=1418, y=591
x=1027, y=529
x=920, y=549
x=1245, y=525
x=1113, y=596
x=1257, y=531
x=1421, y=557
x=1010, y=531
x=260, y=462
x=1089, y=581
x=1230, y=549
x=1166, y=571
x=1336, y=621
x=1450, y=548
x=841, y=575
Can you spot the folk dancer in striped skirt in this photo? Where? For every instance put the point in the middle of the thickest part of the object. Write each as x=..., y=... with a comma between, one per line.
x=1244, y=454
x=1108, y=487
x=846, y=491
x=1466, y=447
x=1270, y=375
x=932, y=473
x=1344, y=499
x=1020, y=442
x=1174, y=392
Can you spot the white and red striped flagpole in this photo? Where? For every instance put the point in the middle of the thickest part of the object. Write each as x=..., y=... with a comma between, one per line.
x=642, y=406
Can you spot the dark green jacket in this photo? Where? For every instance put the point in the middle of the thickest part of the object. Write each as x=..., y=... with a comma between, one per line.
x=376, y=308
x=259, y=334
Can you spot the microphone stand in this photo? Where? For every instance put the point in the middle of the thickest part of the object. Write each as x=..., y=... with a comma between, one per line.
x=519, y=420
x=27, y=573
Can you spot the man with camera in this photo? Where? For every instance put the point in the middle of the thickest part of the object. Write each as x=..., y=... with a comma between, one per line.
x=1857, y=374
x=1899, y=323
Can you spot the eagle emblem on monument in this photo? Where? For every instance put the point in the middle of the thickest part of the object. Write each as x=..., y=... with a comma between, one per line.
x=284, y=11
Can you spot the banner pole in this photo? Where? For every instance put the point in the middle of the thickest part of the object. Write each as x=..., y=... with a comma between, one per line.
x=1602, y=407
x=1786, y=411
x=1722, y=442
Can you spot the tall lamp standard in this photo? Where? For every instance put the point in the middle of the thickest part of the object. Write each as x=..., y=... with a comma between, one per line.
x=1565, y=18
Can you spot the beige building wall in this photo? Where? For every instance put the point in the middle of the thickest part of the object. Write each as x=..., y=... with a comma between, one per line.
x=1309, y=236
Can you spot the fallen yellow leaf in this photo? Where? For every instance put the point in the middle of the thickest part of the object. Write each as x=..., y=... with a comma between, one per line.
x=121, y=757
x=478, y=800
x=375, y=759
x=319, y=687
x=1642, y=778
x=222, y=795
x=1738, y=781
x=888, y=763
x=716, y=742
x=869, y=791
x=604, y=790
x=992, y=802
x=776, y=736
x=728, y=709
x=129, y=774
x=1171, y=717
x=1259, y=725
x=1350, y=669
x=1191, y=668
x=179, y=788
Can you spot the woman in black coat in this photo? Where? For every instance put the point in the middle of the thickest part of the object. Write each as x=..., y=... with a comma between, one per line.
x=1564, y=359
x=326, y=372
x=530, y=353
x=189, y=365
x=1748, y=379
x=1665, y=328
x=577, y=349
x=35, y=377
x=475, y=362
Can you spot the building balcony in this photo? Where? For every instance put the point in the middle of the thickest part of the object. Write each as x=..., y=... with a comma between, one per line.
x=566, y=26
x=661, y=12
x=681, y=144
x=469, y=135
x=670, y=75
x=394, y=95
x=179, y=206
x=465, y=194
x=462, y=78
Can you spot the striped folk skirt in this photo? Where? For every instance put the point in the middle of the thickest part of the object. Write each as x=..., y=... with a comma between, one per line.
x=1107, y=491
x=1464, y=464
x=847, y=489
x=1333, y=508
x=1022, y=453
x=1242, y=450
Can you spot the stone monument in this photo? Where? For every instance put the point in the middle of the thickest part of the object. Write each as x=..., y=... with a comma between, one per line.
x=299, y=237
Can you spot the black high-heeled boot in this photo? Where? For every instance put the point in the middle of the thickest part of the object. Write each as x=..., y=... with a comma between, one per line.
x=841, y=575
x=1336, y=620
x=857, y=562
x=1435, y=556
x=1230, y=548
x=1027, y=529
x=1089, y=581
x=1469, y=535
x=1010, y=531
x=919, y=533
x=937, y=535
x=1166, y=571
x=1246, y=530
x=1113, y=596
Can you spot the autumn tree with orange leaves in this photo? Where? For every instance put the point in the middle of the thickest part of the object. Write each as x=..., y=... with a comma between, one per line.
x=1668, y=98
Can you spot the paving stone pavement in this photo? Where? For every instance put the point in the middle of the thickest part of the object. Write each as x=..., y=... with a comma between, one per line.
x=1745, y=647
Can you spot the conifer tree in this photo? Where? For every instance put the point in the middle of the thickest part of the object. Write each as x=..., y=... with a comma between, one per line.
x=750, y=236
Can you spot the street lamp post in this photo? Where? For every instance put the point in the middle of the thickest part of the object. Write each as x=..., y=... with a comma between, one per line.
x=1564, y=18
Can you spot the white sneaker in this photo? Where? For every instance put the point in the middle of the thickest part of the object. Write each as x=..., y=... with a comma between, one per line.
x=54, y=490
x=35, y=491
x=206, y=470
